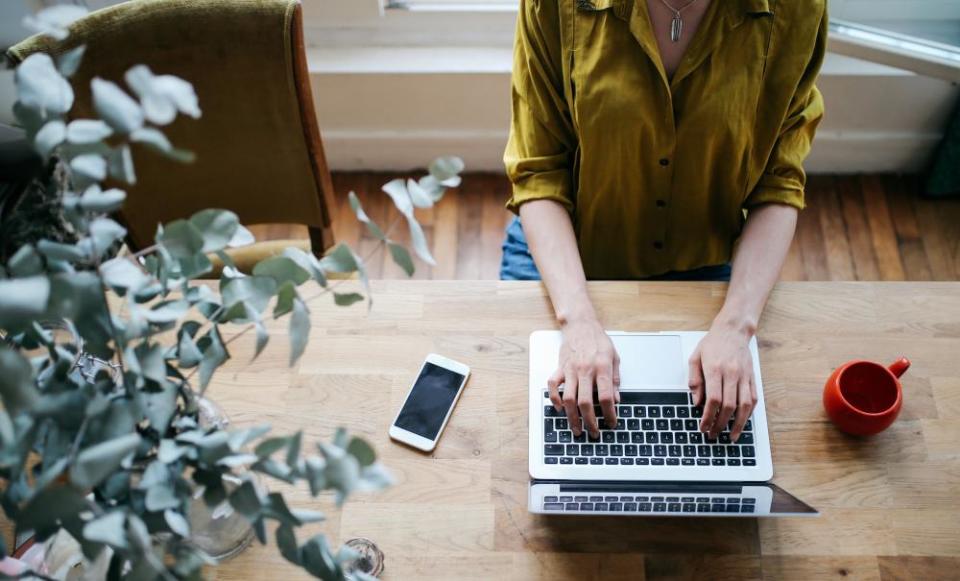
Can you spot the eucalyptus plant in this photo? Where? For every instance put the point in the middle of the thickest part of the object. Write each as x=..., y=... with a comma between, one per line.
x=113, y=452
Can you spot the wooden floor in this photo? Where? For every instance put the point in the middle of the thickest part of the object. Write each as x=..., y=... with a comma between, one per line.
x=854, y=228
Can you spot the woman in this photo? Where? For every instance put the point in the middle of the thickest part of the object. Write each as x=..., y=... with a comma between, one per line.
x=648, y=137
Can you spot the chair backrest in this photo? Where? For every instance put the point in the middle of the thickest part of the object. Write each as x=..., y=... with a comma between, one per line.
x=258, y=145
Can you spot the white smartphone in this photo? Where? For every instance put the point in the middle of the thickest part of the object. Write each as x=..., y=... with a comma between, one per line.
x=428, y=405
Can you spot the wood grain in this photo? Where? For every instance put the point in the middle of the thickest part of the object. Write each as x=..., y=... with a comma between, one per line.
x=889, y=503
x=854, y=228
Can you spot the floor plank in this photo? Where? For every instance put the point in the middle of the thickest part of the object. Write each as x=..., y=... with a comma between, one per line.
x=873, y=227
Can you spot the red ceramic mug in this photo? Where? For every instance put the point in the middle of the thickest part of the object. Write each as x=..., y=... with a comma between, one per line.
x=863, y=398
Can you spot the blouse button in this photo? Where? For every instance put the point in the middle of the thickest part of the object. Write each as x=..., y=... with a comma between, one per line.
x=658, y=245
x=661, y=204
x=664, y=162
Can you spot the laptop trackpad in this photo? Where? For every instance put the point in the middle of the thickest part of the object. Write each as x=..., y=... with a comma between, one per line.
x=650, y=361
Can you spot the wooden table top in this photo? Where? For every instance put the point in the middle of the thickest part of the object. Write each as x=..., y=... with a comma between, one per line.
x=890, y=504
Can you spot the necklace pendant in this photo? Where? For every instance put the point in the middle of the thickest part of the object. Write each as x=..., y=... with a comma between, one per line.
x=676, y=28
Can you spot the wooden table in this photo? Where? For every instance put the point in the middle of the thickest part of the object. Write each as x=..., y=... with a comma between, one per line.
x=890, y=504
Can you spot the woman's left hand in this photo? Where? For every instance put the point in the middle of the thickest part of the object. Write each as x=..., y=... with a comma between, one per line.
x=721, y=378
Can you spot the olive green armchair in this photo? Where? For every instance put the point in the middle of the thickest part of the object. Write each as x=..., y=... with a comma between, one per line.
x=258, y=145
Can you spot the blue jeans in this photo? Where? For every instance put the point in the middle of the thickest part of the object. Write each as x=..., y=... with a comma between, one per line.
x=517, y=263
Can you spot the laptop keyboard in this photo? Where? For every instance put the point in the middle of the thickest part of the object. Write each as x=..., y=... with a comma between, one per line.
x=648, y=504
x=653, y=429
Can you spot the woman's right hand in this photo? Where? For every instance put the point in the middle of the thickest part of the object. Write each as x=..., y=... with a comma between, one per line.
x=587, y=359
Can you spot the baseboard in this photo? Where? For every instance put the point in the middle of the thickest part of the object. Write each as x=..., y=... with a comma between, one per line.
x=833, y=152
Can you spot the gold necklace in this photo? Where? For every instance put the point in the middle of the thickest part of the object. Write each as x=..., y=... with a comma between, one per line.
x=676, y=25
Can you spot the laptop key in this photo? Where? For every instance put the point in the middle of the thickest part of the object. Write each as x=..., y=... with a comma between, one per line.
x=673, y=507
x=748, y=451
x=550, y=460
x=660, y=450
x=656, y=499
x=659, y=507
x=673, y=461
x=703, y=451
x=719, y=451
x=674, y=450
x=683, y=412
x=687, y=461
x=639, y=411
x=601, y=450
x=647, y=424
x=748, y=426
x=663, y=425
x=629, y=507
x=581, y=460
x=733, y=461
x=689, y=507
x=656, y=461
x=608, y=437
x=552, y=506
x=623, y=437
x=572, y=506
x=630, y=449
x=581, y=438
x=646, y=450
x=601, y=506
x=586, y=449
x=611, y=498
x=596, y=498
x=676, y=425
x=566, y=460
x=616, y=449
x=717, y=462
x=566, y=437
x=592, y=439
x=733, y=508
x=703, y=461
x=680, y=437
x=626, y=461
x=653, y=411
x=733, y=451
x=725, y=437
x=553, y=450
x=550, y=437
x=550, y=499
x=616, y=507
x=621, y=424
x=749, y=501
x=596, y=461
x=666, y=438
x=636, y=437
x=633, y=424
x=573, y=450
x=695, y=437
x=644, y=507
x=611, y=461
x=669, y=412
x=550, y=412
x=747, y=508
x=745, y=438
x=651, y=437
x=643, y=461
x=586, y=506
x=580, y=499
x=703, y=508
x=689, y=451
x=696, y=411
x=749, y=462
x=625, y=411
x=691, y=425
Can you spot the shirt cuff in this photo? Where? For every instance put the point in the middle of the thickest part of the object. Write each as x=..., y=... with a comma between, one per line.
x=774, y=189
x=551, y=185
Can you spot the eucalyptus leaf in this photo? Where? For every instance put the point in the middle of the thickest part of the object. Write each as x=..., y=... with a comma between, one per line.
x=122, y=274
x=217, y=227
x=214, y=355
x=362, y=451
x=50, y=505
x=419, y=196
x=177, y=523
x=397, y=191
x=242, y=237
x=49, y=137
x=108, y=529
x=69, y=62
x=96, y=200
x=55, y=20
x=262, y=338
x=340, y=259
x=161, y=497
x=181, y=239
x=445, y=169
x=163, y=96
x=91, y=167
x=120, y=164
x=372, y=227
x=299, y=330
x=83, y=131
x=188, y=353
x=255, y=290
x=95, y=463
x=41, y=88
x=346, y=299
x=104, y=233
x=116, y=107
x=419, y=240
x=23, y=300
x=246, y=500
x=25, y=262
x=281, y=269
x=16, y=381
x=401, y=257
x=287, y=543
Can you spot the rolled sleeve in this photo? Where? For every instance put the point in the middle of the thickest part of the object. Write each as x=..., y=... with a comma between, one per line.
x=784, y=179
x=540, y=151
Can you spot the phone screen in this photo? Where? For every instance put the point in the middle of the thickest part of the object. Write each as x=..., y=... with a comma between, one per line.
x=431, y=397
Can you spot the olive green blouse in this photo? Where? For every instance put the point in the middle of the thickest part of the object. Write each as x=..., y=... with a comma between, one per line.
x=658, y=172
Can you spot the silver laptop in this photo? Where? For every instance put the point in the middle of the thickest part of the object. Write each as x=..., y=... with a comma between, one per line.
x=656, y=462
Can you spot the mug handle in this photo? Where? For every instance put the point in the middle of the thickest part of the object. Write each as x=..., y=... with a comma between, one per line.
x=900, y=366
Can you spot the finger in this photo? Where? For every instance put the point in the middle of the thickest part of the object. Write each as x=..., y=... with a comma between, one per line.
x=570, y=402
x=585, y=401
x=731, y=381
x=713, y=395
x=695, y=380
x=744, y=407
x=553, y=384
x=616, y=376
x=605, y=394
